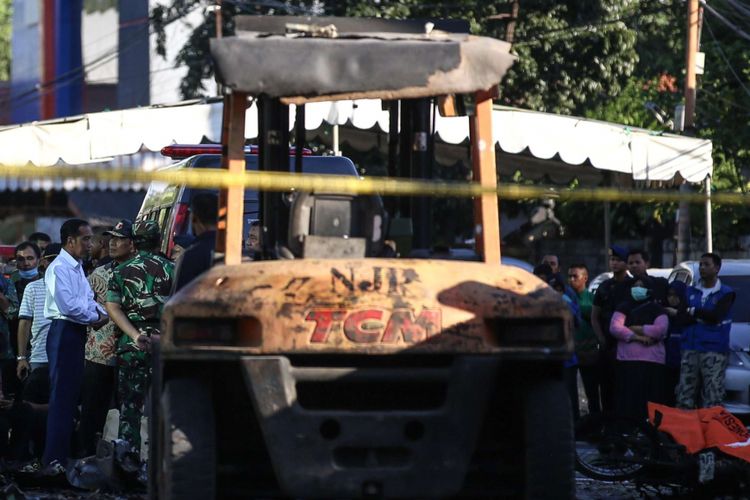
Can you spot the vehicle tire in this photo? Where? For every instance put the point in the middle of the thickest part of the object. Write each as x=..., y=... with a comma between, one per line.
x=611, y=448
x=548, y=424
x=188, y=441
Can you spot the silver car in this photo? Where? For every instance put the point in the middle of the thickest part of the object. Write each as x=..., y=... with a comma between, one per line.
x=736, y=274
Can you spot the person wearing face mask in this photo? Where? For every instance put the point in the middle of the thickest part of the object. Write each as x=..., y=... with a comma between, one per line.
x=640, y=325
x=609, y=294
x=33, y=326
x=27, y=266
x=27, y=271
x=30, y=414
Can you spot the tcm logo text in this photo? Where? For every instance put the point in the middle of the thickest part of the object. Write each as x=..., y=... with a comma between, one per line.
x=371, y=326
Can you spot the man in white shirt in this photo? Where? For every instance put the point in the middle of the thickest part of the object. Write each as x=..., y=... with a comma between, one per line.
x=69, y=303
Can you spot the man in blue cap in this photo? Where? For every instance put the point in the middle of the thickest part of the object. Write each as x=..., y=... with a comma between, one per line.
x=610, y=293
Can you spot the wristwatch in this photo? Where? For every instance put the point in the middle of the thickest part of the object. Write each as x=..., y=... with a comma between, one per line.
x=22, y=358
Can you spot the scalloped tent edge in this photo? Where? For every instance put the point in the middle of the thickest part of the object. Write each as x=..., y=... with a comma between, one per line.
x=536, y=144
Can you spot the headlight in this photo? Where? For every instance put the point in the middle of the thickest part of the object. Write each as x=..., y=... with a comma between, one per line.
x=527, y=333
x=240, y=332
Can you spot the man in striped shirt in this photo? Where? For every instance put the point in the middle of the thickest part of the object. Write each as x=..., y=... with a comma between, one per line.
x=32, y=323
x=30, y=416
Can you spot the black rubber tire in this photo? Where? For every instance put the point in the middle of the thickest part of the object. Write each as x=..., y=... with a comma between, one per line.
x=591, y=431
x=548, y=432
x=188, y=441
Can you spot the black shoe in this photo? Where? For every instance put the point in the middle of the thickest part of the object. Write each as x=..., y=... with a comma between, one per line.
x=54, y=469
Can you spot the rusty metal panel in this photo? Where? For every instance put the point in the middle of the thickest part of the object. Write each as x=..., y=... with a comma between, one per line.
x=365, y=65
x=377, y=306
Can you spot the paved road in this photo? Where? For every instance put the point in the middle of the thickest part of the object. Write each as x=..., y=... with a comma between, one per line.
x=590, y=489
x=587, y=489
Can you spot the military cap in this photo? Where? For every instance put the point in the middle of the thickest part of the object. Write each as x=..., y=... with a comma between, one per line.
x=146, y=230
x=123, y=229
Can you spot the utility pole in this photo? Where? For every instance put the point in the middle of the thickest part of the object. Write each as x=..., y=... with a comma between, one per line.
x=219, y=19
x=691, y=50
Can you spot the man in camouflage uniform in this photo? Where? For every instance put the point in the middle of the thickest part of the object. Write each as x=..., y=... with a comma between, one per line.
x=136, y=295
x=100, y=373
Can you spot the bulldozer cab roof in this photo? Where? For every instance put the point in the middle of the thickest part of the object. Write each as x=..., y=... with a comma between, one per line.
x=317, y=59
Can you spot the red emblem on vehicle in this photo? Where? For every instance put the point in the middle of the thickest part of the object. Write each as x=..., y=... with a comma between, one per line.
x=369, y=326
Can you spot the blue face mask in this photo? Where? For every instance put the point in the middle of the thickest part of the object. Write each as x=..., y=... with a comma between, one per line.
x=639, y=293
x=28, y=274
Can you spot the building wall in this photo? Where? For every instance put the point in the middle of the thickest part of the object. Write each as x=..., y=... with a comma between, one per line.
x=26, y=64
x=100, y=37
x=165, y=78
x=117, y=51
x=133, y=60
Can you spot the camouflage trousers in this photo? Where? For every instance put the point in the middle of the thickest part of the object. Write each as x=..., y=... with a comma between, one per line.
x=701, y=372
x=133, y=380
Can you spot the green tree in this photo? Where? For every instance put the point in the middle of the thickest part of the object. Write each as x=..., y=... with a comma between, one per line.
x=604, y=59
x=721, y=113
x=571, y=55
x=6, y=29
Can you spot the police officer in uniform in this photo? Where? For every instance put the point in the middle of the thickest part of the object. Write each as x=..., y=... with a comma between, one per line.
x=136, y=295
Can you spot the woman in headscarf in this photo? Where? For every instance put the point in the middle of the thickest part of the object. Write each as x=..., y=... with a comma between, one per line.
x=640, y=325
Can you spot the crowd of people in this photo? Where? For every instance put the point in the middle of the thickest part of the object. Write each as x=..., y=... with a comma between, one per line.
x=78, y=320
x=639, y=338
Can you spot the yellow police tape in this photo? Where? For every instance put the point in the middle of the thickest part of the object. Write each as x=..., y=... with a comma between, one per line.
x=282, y=181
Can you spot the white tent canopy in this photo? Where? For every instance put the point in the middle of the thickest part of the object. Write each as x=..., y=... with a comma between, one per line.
x=99, y=137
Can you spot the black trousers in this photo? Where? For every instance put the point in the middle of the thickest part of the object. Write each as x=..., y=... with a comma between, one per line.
x=97, y=397
x=607, y=362
x=591, y=378
x=639, y=382
x=571, y=381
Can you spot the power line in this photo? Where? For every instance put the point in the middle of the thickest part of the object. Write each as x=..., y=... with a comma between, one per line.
x=732, y=103
x=271, y=4
x=725, y=58
x=726, y=21
x=584, y=29
x=742, y=9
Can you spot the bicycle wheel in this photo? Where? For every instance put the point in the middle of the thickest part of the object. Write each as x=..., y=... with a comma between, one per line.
x=612, y=448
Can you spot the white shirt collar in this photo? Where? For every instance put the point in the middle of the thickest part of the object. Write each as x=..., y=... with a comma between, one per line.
x=709, y=291
x=69, y=259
